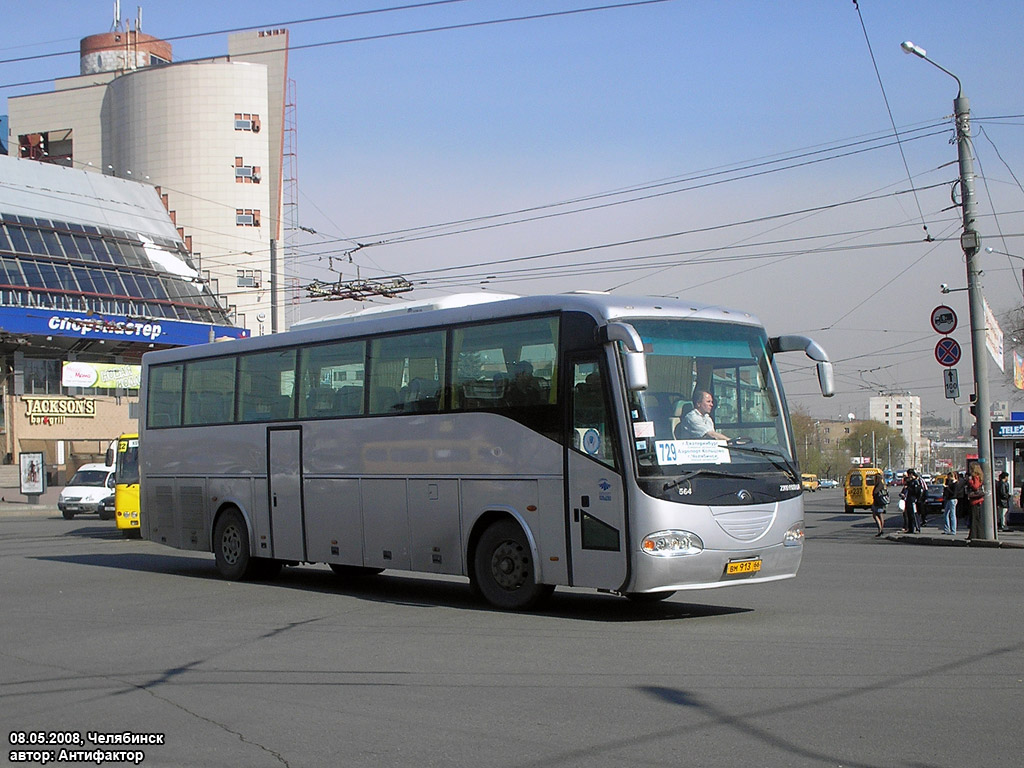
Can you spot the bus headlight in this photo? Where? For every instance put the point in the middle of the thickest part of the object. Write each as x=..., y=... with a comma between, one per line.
x=672, y=544
x=794, y=536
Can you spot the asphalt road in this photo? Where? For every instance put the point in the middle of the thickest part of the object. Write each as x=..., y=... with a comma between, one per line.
x=877, y=654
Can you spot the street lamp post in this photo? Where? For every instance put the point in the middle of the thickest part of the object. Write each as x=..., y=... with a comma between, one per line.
x=970, y=242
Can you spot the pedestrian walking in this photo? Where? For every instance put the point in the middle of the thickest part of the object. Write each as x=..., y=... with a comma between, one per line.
x=949, y=505
x=975, y=498
x=911, y=493
x=1003, y=499
x=879, y=501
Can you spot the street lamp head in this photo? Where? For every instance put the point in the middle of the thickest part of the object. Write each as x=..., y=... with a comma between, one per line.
x=909, y=47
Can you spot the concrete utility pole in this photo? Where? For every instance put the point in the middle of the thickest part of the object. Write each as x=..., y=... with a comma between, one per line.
x=970, y=242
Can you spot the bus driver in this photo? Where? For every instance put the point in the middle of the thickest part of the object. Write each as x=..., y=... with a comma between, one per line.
x=697, y=424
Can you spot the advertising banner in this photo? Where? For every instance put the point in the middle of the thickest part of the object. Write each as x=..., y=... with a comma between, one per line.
x=100, y=375
x=993, y=337
x=32, y=474
x=49, y=322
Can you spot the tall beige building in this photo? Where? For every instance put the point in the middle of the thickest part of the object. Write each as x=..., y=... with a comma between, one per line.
x=902, y=412
x=209, y=134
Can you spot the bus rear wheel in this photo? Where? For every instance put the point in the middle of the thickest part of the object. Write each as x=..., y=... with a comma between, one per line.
x=503, y=568
x=231, y=546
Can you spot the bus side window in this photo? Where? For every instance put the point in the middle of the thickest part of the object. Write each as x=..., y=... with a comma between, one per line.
x=505, y=366
x=266, y=383
x=326, y=371
x=406, y=372
x=163, y=403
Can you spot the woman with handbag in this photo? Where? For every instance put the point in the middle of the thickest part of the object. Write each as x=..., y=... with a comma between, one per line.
x=975, y=497
x=879, y=500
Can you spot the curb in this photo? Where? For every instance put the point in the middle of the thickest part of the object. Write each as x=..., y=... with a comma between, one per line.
x=948, y=541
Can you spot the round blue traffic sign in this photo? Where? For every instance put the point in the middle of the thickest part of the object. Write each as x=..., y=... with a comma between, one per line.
x=947, y=352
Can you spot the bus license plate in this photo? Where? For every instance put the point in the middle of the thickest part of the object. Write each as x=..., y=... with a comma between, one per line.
x=743, y=566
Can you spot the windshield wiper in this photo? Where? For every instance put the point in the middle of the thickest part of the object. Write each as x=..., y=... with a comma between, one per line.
x=712, y=472
x=772, y=454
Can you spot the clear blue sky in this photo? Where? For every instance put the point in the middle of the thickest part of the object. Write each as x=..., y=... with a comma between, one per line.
x=419, y=130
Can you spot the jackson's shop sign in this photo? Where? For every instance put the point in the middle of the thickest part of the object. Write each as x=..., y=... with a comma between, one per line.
x=51, y=411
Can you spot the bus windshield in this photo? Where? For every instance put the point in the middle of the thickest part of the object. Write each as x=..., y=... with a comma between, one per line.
x=90, y=478
x=712, y=402
x=127, y=461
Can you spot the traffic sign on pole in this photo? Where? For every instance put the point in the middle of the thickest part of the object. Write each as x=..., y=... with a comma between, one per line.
x=951, y=382
x=947, y=352
x=943, y=319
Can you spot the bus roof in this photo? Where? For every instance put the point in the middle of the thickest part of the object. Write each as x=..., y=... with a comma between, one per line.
x=404, y=308
x=603, y=307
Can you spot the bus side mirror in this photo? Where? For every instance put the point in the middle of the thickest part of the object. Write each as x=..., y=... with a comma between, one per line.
x=826, y=378
x=109, y=460
x=636, y=371
x=792, y=343
x=634, y=362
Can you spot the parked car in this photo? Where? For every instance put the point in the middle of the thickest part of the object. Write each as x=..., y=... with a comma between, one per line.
x=107, y=508
x=86, y=490
x=933, y=499
x=828, y=483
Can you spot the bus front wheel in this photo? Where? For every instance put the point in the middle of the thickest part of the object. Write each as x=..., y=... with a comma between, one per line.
x=231, y=546
x=503, y=568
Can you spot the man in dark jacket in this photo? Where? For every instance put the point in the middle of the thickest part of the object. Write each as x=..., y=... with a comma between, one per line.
x=913, y=494
x=1003, y=500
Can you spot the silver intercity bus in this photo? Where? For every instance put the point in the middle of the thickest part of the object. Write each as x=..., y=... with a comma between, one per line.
x=523, y=443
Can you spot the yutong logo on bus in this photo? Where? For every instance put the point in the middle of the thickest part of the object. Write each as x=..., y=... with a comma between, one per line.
x=86, y=325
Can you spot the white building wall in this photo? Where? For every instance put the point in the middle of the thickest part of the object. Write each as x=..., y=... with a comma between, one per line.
x=77, y=103
x=160, y=129
x=903, y=413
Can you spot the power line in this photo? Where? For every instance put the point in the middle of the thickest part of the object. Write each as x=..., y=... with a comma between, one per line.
x=293, y=22
x=395, y=35
x=888, y=110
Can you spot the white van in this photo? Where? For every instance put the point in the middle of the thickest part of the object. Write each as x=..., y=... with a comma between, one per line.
x=87, y=490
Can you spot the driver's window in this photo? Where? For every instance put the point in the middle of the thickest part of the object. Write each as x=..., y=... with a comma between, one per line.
x=591, y=416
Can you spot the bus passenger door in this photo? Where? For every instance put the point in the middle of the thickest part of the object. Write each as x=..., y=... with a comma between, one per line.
x=596, y=503
x=284, y=489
